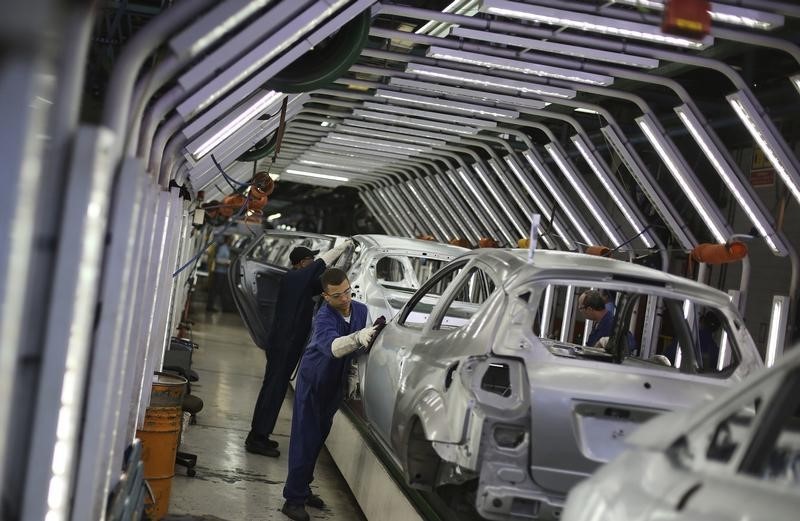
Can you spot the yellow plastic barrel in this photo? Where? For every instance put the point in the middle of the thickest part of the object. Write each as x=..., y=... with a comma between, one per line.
x=159, y=435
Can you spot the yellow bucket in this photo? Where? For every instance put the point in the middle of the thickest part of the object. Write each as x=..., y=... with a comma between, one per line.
x=159, y=435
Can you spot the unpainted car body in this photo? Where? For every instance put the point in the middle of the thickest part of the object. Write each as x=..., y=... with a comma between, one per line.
x=735, y=459
x=384, y=272
x=465, y=389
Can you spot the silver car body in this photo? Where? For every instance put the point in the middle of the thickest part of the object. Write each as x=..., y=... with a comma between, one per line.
x=255, y=275
x=736, y=459
x=462, y=392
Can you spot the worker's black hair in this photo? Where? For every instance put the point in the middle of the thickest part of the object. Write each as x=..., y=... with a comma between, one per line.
x=332, y=277
x=593, y=299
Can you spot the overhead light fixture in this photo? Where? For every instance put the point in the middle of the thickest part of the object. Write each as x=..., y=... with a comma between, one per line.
x=730, y=178
x=485, y=205
x=690, y=190
x=544, y=208
x=608, y=185
x=361, y=149
x=686, y=241
x=258, y=57
x=335, y=166
x=561, y=161
x=778, y=320
x=526, y=209
x=375, y=142
x=428, y=114
x=415, y=122
x=488, y=81
x=759, y=129
x=586, y=22
x=723, y=13
x=586, y=53
x=795, y=79
x=513, y=219
x=274, y=216
x=462, y=7
x=401, y=132
x=260, y=105
x=534, y=69
x=438, y=103
x=304, y=173
x=586, y=111
x=514, y=101
x=393, y=136
x=566, y=319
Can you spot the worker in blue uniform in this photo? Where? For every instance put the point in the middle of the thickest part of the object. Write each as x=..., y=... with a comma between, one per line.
x=593, y=306
x=340, y=331
x=294, y=310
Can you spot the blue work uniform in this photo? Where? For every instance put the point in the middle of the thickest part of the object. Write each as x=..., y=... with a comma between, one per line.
x=319, y=390
x=602, y=327
x=293, y=313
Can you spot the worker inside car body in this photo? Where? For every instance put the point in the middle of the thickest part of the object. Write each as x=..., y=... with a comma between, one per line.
x=594, y=306
x=294, y=309
x=340, y=332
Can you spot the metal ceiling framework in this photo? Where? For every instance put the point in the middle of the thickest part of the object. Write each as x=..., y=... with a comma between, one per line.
x=458, y=119
x=507, y=63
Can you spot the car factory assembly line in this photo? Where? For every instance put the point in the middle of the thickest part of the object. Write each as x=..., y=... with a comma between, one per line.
x=577, y=218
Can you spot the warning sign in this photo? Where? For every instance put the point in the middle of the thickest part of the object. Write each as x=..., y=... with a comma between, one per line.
x=761, y=171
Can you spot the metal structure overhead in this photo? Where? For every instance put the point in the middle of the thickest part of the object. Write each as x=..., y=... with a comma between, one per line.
x=432, y=77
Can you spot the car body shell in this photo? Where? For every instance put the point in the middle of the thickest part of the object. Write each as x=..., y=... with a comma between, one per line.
x=563, y=417
x=668, y=472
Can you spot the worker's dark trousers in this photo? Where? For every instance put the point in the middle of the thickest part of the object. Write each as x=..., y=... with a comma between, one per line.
x=281, y=361
x=312, y=418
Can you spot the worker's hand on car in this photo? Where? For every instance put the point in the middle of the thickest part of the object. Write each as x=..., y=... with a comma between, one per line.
x=364, y=336
x=348, y=243
x=602, y=342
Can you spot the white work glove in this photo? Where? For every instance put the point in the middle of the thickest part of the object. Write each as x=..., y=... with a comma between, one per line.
x=602, y=342
x=331, y=255
x=344, y=345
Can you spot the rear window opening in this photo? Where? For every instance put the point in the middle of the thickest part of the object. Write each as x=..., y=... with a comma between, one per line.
x=633, y=325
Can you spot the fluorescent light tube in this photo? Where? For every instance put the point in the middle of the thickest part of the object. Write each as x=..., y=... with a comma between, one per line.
x=482, y=95
x=727, y=14
x=516, y=197
x=669, y=158
x=488, y=81
x=778, y=320
x=428, y=114
x=274, y=216
x=586, y=22
x=795, y=79
x=414, y=122
x=579, y=187
x=400, y=132
x=333, y=165
x=758, y=128
x=603, y=177
x=375, y=142
x=464, y=7
x=729, y=177
x=544, y=207
x=479, y=196
x=259, y=106
x=390, y=135
x=677, y=229
x=586, y=53
x=534, y=69
x=438, y=103
x=513, y=219
x=304, y=173
x=546, y=308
